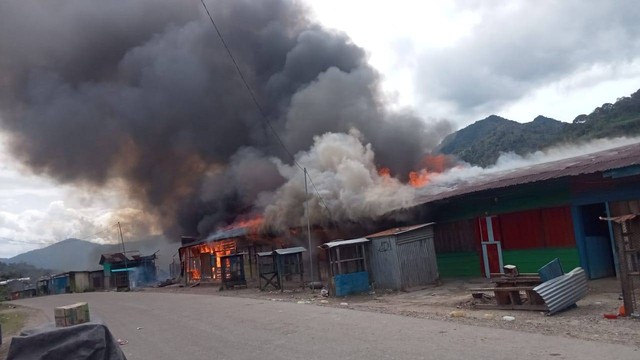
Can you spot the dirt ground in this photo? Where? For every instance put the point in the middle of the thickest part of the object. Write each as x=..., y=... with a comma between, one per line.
x=452, y=301
x=15, y=318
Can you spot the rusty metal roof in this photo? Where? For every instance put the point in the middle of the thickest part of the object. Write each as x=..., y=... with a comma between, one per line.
x=610, y=159
x=397, y=230
x=119, y=257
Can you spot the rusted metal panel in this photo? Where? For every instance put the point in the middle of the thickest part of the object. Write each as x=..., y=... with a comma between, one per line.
x=383, y=259
x=404, y=258
x=417, y=258
x=563, y=291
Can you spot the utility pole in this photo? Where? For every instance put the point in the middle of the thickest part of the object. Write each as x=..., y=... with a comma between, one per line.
x=124, y=252
x=306, y=191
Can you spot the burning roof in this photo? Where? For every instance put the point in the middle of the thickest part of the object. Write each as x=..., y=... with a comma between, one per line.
x=601, y=161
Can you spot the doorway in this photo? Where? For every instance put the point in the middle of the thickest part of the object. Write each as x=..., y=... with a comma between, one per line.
x=596, y=238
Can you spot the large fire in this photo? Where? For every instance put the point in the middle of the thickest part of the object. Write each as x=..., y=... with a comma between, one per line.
x=432, y=164
x=419, y=179
x=252, y=225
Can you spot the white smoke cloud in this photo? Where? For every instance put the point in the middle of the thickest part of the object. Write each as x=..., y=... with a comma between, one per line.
x=464, y=174
x=344, y=172
x=346, y=177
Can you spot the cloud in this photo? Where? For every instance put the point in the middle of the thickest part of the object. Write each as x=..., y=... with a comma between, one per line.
x=520, y=46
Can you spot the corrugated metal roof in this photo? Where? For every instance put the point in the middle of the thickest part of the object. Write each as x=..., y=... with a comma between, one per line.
x=119, y=257
x=397, y=230
x=227, y=234
x=610, y=159
x=561, y=292
x=285, y=251
x=293, y=250
x=335, y=243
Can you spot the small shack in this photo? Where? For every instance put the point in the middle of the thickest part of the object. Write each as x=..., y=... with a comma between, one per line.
x=96, y=280
x=277, y=266
x=43, y=286
x=70, y=282
x=403, y=257
x=348, y=267
x=122, y=271
x=201, y=259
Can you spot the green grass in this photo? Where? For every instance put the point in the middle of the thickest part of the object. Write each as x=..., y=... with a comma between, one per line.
x=12, y=320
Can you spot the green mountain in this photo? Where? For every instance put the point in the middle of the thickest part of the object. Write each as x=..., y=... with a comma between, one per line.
x=482, y=142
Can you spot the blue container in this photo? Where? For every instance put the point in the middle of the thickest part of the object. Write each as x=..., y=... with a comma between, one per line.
x=353, y=283
x=551, y=271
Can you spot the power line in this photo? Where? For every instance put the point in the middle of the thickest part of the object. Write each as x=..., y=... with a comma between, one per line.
x=86, y=238
x=259, y=107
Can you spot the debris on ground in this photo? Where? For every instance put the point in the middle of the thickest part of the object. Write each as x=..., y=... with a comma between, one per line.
x=508, y=318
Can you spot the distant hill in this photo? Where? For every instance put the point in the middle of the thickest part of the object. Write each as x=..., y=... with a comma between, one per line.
x=482, y=142
x=75, y=254
x=21, y=270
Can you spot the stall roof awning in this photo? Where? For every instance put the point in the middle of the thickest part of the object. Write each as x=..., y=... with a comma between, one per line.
x=288, y=251
x=123, y=270
x=335, y=243
x=398, y=230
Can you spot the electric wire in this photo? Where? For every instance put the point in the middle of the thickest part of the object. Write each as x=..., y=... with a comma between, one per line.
x=260, y=109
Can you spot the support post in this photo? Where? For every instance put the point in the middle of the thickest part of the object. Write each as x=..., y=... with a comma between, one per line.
x=306, y=192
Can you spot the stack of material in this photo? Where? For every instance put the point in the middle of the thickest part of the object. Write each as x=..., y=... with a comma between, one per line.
x=513, y=291
x=563, y=291
x=74, y=314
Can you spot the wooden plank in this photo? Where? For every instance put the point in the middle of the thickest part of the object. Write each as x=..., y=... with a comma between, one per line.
x=504, y=289
x=512, y=307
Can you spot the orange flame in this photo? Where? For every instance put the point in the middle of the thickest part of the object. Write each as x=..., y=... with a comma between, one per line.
x=432, y=164
x=436, y=163
x=384, y=172
x=252, y=224
x=419, y=179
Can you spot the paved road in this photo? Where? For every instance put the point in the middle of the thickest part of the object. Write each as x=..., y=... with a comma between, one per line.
x=185, y=326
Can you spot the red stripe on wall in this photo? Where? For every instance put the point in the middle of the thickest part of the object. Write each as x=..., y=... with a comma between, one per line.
x=551, y=227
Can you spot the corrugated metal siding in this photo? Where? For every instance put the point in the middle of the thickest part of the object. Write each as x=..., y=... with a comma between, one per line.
x=417, y=257
x=456, y=236
x=385, y=268
x=550, y=227
x=533, y=259
x=458, y=264
x=563, y=291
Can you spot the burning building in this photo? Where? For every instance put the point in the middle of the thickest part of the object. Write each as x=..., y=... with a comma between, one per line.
x=203, y=259
x=533, y=214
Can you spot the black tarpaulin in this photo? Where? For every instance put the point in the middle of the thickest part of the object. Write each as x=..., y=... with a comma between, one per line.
x=89, y=341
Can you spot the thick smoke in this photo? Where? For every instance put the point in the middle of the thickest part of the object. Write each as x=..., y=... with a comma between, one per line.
x=144, y=92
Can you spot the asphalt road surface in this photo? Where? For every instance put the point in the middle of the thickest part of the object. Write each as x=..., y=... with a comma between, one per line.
x=185, y=326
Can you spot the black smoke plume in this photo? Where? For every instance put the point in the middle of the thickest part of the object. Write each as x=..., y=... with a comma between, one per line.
x=143, y=91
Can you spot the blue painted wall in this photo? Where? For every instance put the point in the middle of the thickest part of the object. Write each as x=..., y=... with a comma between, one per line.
x=352, y=283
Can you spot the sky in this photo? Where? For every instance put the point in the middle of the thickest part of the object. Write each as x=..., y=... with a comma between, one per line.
x=455, y=60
